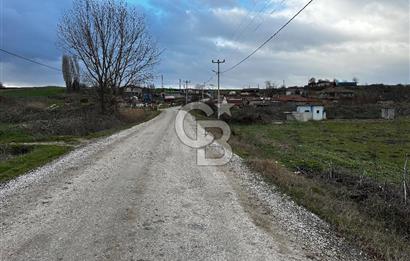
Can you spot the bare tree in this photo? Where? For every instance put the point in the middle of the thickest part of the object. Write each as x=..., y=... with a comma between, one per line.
x=111, y=39
x=268, y=84
x=67, y=72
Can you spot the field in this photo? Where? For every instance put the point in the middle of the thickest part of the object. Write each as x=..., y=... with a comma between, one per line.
x=32, y=92
x=38, y=125
x=376, y=149
x=349, y=172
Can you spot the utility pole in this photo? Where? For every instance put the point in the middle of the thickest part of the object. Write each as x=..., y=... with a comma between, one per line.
x=180, y=81
x=219, y=80
x=186, y=91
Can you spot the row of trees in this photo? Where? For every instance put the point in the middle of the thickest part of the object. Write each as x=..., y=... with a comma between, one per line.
x=111, y=41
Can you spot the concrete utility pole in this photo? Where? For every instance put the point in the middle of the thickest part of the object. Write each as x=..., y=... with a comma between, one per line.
x=162, y=81
x=180, y=83
x=186, y=91
x=219, y=80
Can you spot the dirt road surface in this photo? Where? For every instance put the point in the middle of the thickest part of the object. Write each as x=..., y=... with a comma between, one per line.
x=139, y=195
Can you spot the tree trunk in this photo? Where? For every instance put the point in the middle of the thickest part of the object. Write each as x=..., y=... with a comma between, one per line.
x=102, y=97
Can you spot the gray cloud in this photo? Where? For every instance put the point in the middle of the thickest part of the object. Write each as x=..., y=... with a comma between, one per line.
x=366, y=39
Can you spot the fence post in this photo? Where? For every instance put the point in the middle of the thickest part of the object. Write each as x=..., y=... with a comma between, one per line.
x=364, y=173
x=405, y=180
x=330, y=174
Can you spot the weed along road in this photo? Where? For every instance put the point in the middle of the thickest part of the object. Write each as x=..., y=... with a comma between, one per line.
x=139, y=195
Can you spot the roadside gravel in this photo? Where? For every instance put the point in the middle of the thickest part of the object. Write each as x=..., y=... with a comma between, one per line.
x=139, y=195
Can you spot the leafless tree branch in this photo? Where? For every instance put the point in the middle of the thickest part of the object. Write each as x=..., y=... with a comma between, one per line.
x=112, y=41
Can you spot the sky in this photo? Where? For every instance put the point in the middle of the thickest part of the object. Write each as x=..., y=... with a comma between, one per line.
x=333, y=39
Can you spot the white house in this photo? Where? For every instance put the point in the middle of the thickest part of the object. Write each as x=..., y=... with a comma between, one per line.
x=388, y=113
x=308, y=113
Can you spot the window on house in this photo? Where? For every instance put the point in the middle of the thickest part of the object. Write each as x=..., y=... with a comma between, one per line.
x=317, y=111
x=307, y=111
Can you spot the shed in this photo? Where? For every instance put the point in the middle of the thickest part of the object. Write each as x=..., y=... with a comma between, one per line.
x=388, y=113
x=308, y=112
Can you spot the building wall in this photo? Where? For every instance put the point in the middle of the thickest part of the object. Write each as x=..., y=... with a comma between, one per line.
x=300, y=116
x=302, y=109
x=306, y=113
x=388, y=114
x=318, y=113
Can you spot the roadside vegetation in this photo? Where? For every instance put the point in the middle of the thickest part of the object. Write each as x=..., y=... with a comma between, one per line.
x=38, y=125
x=348, y=172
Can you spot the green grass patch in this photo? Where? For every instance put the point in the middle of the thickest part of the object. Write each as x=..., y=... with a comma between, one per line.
x=369, y=210
x=14, y=133
x=32, y=92
x=376, y=148
x=371, y=215
x=36, y=157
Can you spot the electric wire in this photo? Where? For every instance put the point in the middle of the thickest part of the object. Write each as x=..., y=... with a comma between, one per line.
x=269, y=39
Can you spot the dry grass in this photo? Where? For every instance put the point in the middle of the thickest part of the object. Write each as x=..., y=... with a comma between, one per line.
x=373, y=224
x=25, y=116
x=130, y=115
x=36, y=106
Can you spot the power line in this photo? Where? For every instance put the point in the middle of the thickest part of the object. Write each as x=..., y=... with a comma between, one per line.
x=210, y=79
x=273, y=11
x=269, y=39
x=240, y=32
x=242, y=22
x=35, y=62
x=267, y=4
x=30, y=60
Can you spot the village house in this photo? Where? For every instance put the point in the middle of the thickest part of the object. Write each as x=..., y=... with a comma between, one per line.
x=308, y=112
x=250, y=92
x=295, y=91
x=294, y=99
x=346, y=84
x=320, y=84
x=388, y=113
x=336, y=93
x=133, y=90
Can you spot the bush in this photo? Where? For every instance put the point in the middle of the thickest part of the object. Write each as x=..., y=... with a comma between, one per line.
x=264, y=115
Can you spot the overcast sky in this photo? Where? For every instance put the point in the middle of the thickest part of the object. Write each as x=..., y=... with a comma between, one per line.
x=367, y=39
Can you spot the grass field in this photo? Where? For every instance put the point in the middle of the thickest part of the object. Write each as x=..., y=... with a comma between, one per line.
x=296, y=157
x=32, y=92
x=32, y=120
x=16, y=133
x=37, y=156
x=375, y=148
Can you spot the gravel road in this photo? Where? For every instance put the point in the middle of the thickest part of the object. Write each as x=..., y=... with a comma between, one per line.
x=139, y=195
